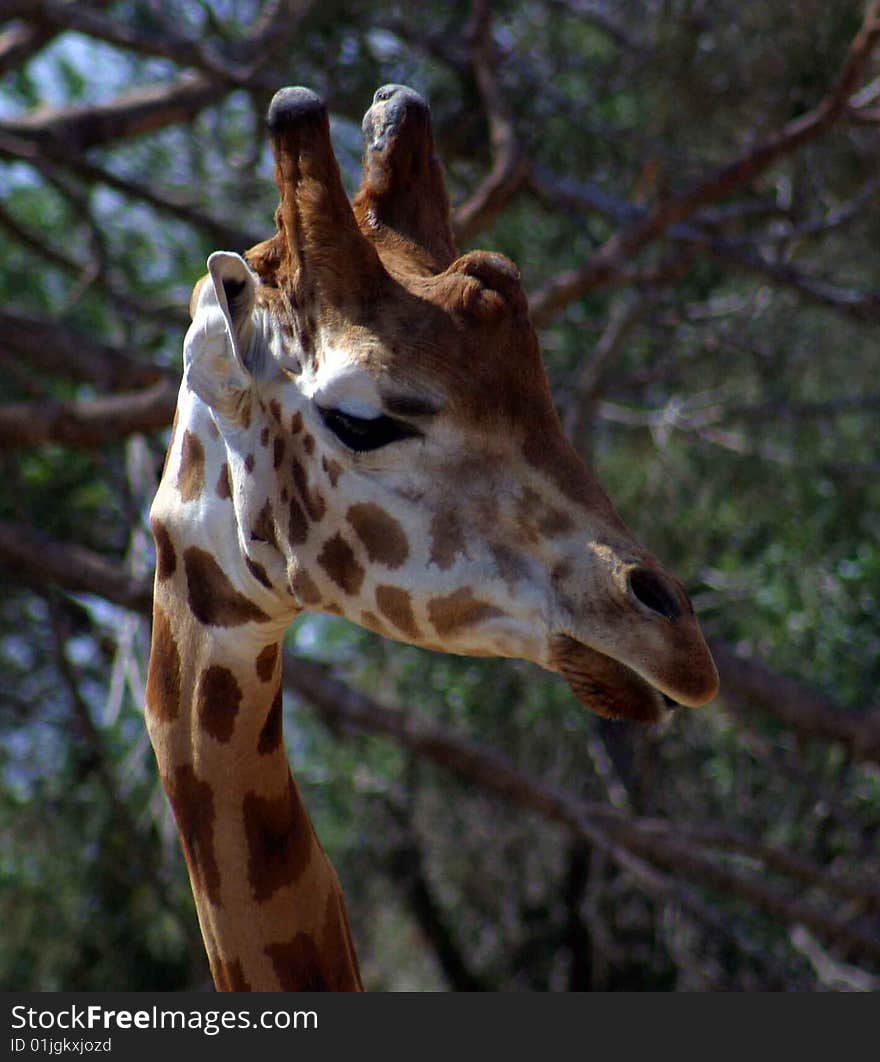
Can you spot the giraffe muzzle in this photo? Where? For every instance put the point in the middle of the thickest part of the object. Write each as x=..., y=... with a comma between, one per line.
x=607, y=686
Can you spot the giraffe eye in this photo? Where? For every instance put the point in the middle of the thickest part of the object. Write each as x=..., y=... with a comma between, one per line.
x=363, y=434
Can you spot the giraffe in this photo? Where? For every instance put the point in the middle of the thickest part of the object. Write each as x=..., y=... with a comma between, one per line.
x=365, y=428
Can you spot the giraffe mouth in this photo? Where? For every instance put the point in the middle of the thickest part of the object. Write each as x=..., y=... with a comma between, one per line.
x=607, y=686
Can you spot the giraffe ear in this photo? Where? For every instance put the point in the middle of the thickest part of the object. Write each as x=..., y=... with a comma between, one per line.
x=234, y=289
x=219, y=346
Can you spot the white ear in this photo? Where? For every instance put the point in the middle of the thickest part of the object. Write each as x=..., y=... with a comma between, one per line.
x=234, y=286
x=220, y=336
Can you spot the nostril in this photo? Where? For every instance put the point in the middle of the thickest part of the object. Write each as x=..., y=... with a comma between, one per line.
x=654, y=593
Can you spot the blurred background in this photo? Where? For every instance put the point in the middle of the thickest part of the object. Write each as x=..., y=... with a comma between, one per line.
x=691, y=190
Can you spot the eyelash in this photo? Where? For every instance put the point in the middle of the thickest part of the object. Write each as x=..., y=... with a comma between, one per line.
x=362, y=434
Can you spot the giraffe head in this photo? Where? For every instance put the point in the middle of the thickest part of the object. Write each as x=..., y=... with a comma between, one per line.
x=385, y=443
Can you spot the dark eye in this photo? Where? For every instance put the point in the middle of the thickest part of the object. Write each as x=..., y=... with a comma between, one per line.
x=361, y=434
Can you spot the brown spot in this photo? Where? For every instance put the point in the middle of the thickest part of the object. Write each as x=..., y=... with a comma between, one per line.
x=396, y=605
x=299, y=965
x=332, y=468
x=372, y=622
x=510, y=564
x=285, y=495
x=212, y=597
x=163, y=673
x=339, y=944
x=192, y=802
x=166, y=558
x=218, y=697
x=191, y=474
x=380, y=533
x=223, y=488
x=298, y=526
x=280, y=840
x=277, y=452
x=249, y=463
x=553, y=521
x=326, y=964
x=447, y=539
x=459, y=609
x=304, y=587
x=314, y=504
x=229, y=976
x=275, y=409
x=527, y=505
x=537, y=517
x=338, y=561
x=264, y=526
x=309, y=444
x=296, y=423
x=270, y=735
x=266, y=662
x=258, y=572
x=264, y=437
x=213, y=430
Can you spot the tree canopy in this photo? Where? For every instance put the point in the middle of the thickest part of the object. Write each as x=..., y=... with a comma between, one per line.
x=690, y=191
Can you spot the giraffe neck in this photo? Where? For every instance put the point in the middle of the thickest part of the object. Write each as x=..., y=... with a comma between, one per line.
x=269, y=902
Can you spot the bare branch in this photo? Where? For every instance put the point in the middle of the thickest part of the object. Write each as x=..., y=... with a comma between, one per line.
x=664, y=847
x=18, y=44
x=612, y=256
x=87, y=422
x=862, y=892
x=48, y=158
x=233, y=66
x=625, y=315
x=750, y=685
x=54, y=347
x=509, y=167
x=38, y=559
x=85, y=271
x=143, y=110
x=861, y=305
x=406, y=866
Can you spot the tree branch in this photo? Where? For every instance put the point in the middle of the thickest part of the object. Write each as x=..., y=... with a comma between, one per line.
x=54, y=347
x=610, y=258
x=87, y=422
x=234, y=66
x=861, y=305
x=40, y=560
x=87, y=275
x=748, y=685
x=350, y=711
x=406, y=866
x=509, y=167
x=143, y=110
x=18, y=44
x=48, y=158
